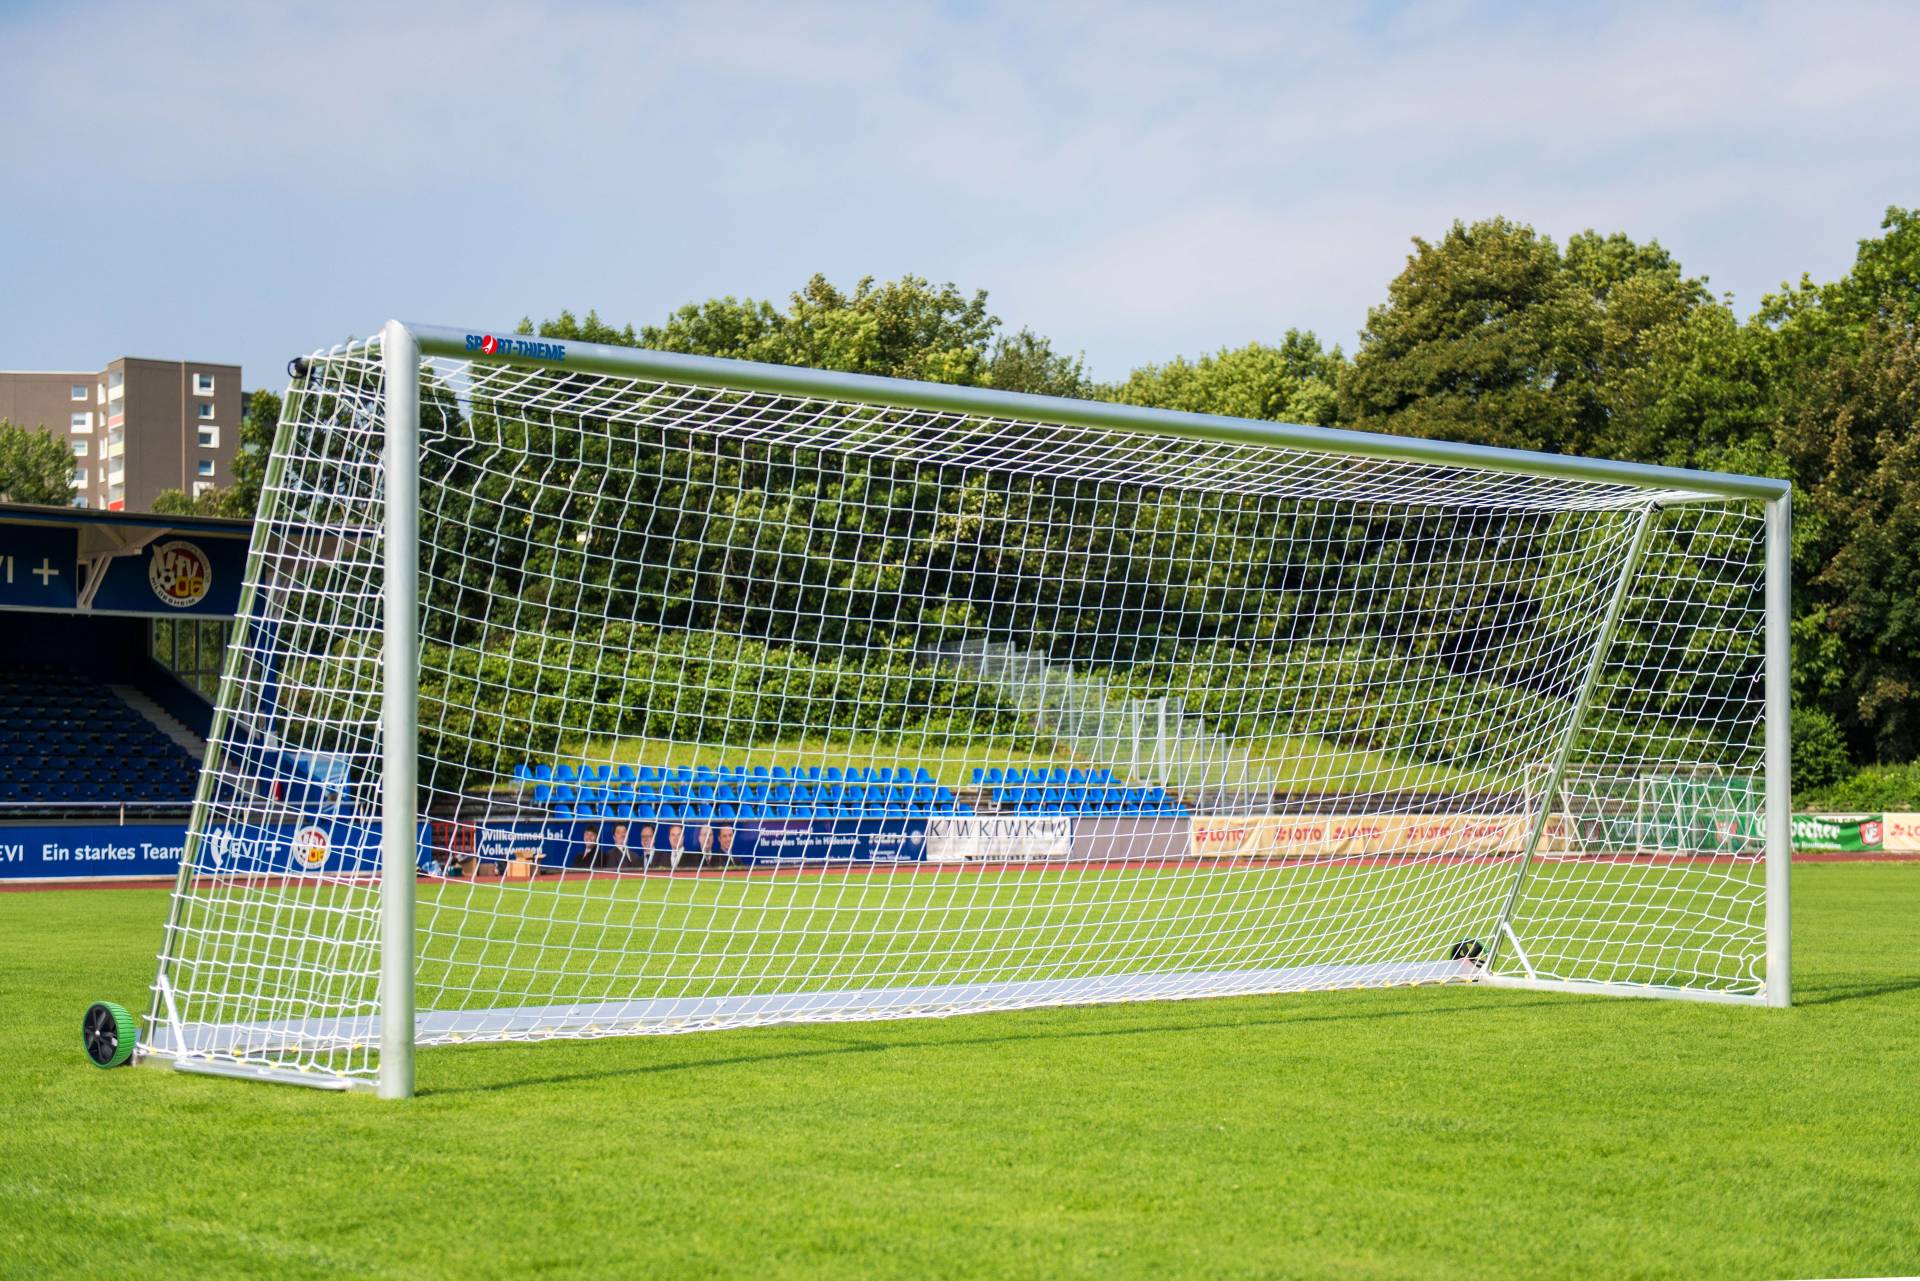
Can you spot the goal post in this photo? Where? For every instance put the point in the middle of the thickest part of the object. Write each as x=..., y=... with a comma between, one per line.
x=593, y=691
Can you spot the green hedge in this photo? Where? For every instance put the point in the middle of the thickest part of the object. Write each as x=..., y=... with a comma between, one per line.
x=1874, y=789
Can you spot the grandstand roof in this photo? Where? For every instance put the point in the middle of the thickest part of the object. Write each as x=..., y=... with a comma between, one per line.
x=73, y=560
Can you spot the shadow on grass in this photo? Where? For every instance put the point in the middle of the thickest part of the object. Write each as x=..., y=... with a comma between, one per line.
x=847, y=1045
x=1857, y=992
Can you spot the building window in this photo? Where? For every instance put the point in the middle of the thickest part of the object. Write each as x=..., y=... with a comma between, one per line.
x=203, y=384
x=200, y=487
x=79, y=475
x=209, y=438
x=206, y=466
x=82, y=423
x=206, y=409
x=78, y=391
x=80, y=448
x=193, y=649
x=80, y=501
x=116, y=385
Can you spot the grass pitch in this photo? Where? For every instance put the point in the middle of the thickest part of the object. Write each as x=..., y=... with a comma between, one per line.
x=1401, y=1133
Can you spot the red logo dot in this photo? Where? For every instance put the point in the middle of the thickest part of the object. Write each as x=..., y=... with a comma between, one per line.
x=490, y=344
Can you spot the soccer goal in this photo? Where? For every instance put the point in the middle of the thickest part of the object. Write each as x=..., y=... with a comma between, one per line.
x=584, y=691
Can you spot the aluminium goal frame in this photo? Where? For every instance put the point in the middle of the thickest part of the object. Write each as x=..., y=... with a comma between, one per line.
x=404, y=346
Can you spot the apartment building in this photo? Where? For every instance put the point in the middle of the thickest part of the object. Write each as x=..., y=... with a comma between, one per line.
x=136, y=427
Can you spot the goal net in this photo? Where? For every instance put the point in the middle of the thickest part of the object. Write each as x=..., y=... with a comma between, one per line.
x=743, y=696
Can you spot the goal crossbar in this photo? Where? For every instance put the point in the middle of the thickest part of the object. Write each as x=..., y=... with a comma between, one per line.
x=1678, y=483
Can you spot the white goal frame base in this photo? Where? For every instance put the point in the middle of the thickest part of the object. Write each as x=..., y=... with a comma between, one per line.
x=237, y=1043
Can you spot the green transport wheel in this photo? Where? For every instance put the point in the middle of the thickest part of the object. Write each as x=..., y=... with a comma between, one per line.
x=108, y=1033
x=1468, y=950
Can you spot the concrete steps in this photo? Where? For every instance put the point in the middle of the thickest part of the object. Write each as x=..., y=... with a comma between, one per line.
x=189, y=742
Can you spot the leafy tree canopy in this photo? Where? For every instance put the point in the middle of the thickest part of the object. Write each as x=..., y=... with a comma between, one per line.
x=1493, y=335
x=36, y=466
x=1293, y=382
x=1883, y=289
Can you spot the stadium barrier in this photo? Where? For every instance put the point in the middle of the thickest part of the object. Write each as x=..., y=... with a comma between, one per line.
x=69, y=852
x=1313, y=836
x=519, y=850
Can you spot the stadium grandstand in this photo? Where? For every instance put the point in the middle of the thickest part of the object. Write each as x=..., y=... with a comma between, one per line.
x=726, y=792
x=115, y=628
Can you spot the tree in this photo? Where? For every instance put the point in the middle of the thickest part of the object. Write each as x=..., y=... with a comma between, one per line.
x=1493, y=335
x=1698, y=392
x=1852, y=437
x=36, y=466
x=175, y=502
x=1813, y=322
x=1027, y=362
x=257, y=429
x=1294, y=382
x=1847, y=356
x=1484, y=337
x=904, y=328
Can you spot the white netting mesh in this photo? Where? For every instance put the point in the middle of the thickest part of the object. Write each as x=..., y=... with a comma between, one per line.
x=737, y=708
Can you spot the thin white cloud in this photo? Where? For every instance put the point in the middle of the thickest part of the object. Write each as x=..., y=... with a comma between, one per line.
x=1137, y=180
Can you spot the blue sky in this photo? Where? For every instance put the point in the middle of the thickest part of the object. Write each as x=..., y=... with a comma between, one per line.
x=248, y=182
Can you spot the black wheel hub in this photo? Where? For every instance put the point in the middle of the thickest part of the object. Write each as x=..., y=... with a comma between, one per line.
x=101, y=1031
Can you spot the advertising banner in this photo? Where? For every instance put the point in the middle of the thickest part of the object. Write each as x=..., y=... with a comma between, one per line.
x=815, y=840
x=1900, y=833
x=999, y=838
x=445, y=844
x=321, y=846
x=84, y=852
x=461, y=849
x=1838, y=832
x=1342, y=836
